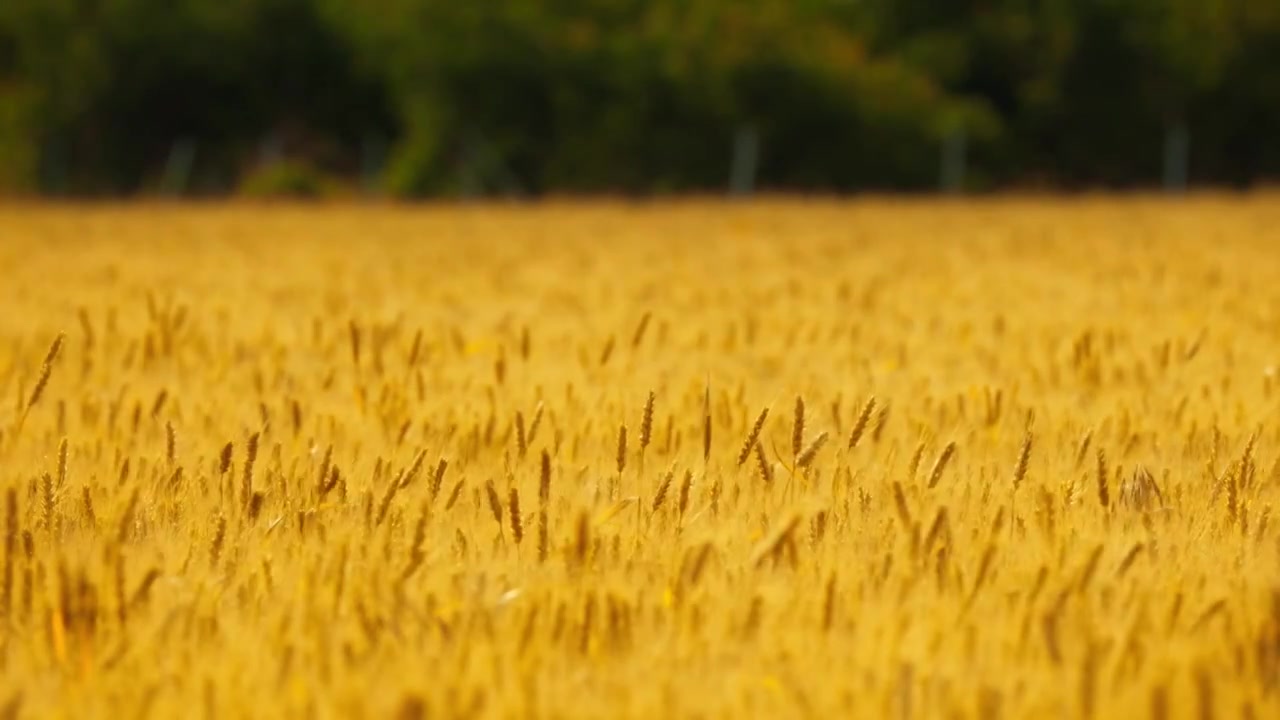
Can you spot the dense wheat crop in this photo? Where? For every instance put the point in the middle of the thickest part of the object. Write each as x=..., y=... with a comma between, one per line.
x=877, y=459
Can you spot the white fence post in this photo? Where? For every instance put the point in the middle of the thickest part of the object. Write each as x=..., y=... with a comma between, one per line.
x=1177, y=157
x=746, y=157
x=952, y=165
x=373, y=152
x=177, y=167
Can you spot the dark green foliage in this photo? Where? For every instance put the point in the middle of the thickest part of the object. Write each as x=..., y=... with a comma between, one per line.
x=524, y=97
x=288, y=179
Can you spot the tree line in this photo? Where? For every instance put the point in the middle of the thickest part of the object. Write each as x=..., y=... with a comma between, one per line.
x=528, y=97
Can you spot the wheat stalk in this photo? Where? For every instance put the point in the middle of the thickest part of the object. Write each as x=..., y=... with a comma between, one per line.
x=513, y=506
x=860, y=425
x=753, y=437
x=940, y=465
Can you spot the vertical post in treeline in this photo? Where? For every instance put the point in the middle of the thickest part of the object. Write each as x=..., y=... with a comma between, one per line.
x=1177, y=157
x=952, y=166
x=746, y=157
x=177, y=168
x=373, y=152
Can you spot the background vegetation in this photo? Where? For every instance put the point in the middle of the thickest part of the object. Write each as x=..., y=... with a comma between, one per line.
x=421, y=97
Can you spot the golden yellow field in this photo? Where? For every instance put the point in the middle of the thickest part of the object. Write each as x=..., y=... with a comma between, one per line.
x=394, y=462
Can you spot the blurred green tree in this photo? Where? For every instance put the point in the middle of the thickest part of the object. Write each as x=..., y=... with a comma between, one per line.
x=524, y=97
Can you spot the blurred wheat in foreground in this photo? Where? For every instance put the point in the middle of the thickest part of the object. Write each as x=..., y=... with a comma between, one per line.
x=879, y=459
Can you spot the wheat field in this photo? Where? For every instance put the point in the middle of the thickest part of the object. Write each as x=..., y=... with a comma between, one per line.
x=1006, y=458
